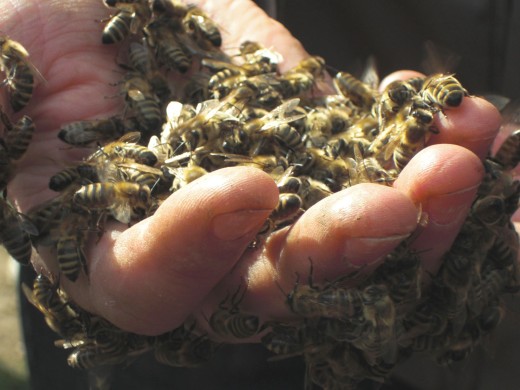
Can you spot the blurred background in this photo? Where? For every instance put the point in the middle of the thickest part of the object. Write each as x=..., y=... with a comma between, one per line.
x=13, y=370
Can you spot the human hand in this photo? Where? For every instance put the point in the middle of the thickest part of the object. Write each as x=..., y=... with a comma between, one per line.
x=194, y=250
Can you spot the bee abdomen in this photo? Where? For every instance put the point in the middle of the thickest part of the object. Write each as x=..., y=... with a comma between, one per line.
x=17, y=243
x=117, y=28
x=21, y=83
x=70, y=257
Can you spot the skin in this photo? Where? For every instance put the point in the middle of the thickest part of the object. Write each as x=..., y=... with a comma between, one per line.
x=151, y=277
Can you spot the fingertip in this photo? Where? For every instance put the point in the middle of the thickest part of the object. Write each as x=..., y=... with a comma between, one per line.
x=443, y=180
x=473, y=125
x=440, y=169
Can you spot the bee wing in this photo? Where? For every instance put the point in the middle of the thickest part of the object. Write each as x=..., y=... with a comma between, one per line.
x=370, y=75
x=273, y=56
x=173, y=113
x=499, y=101
x=438, y=59
x=237, y=158
x=277, y=116
x=162, y=150
x=132, y=137
x=209, y=108
x=390, y=146
x=136, y=95
x=29, y=294
x=70, y=343
x=177, y=159
x=122, y=211
x=218, y=65
x=27, y=225
x=141, y=168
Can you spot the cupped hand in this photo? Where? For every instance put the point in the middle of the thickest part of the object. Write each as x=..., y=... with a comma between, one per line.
x=194, y=251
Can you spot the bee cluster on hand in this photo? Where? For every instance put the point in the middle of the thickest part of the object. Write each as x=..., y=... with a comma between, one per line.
x=191, y=109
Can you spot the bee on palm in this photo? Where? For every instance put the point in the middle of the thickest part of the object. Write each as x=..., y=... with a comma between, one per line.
x=21, y=74
x=130, y=19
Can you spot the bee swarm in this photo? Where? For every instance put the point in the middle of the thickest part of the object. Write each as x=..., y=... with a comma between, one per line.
x=191, y=109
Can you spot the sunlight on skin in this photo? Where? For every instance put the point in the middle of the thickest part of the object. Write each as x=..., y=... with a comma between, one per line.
x=151, y=277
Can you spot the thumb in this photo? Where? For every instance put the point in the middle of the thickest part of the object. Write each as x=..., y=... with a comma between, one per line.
x=149, y=278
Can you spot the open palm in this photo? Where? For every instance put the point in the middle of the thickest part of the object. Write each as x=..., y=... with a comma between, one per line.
x=194, y=250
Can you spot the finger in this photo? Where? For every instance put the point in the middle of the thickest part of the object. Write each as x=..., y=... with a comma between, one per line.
x=149, y=278
x=443, y=180
x=345, y=232
x=473, y=125
x=252, y=23
x=398, y=75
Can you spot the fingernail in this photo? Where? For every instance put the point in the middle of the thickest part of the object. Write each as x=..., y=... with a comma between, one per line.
x=238, y=224
x=360, y=251
x=450, y=208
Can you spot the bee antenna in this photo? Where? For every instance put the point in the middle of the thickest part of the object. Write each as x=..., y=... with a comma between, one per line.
x=331, y=70
x=280, y=287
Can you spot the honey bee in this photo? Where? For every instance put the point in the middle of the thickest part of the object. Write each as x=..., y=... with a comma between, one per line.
x=322, y=124
x=171, y=8
x=267, y=163
x=401, y=273
x=424, y=320
x=202, y=28
x=18, y=136
x=508, y=154
x=393, y=99
x=318, y=165
x=143, y=101
x=90, y=357
x=491, y=316
x=164, y=36
x=15, y=232
x=450, y=301
x=71, y=257
x=286, y=182
x=122, y=199
x=359, y=93
x=504, y=250
x=196, y=89
x=228, y=321
x=312, y=191
x=141, y=58
x=275, y=124
x=20, y=73
x=254, y=53
x=410, y=134
x=443, y=91
x=459, y=348
x=379, y=341
x=301, y=78
x=489, y=210
x=84, y=133
x=141, y=174
x=143, y=62
x=227, y=76
x=284, y=340
x=58, y=314
x=46, y=218
x=210, y=123
x=125, y=149
x=328, y=301
x=185, y=352
x=63, y=179
x=288, y=209
x=130, y=19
